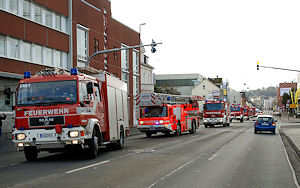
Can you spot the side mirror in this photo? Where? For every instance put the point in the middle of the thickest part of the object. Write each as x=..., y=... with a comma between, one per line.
x=89, y=87
x=276, y=120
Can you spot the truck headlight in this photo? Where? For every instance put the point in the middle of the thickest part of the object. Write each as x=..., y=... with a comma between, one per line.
x=161, y=121
x=74, y=134
x=21, y=136
x=141, y=122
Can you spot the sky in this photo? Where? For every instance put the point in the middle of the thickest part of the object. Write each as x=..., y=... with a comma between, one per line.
x=223, y=38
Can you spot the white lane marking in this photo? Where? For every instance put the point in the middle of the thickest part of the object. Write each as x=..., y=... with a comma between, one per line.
x=291, y=167
x=85, y=167
x=169, y=174
x=213, y=156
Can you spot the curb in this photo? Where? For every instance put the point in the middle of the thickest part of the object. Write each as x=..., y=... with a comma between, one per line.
x=281, y=132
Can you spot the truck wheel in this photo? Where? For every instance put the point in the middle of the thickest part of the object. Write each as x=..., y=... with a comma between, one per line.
x=31, y=153
x=167, y=133
x=230, y=120
x=148, y=134
x=120, y=143
x=241, y=120
x=93, y=146
x=178, y=130
x=193, y=130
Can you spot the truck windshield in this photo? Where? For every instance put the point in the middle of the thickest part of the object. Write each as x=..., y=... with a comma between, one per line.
x=245, y=110
x=213, y=106
x=235, y=109
x=154, y=111
x=47, y=93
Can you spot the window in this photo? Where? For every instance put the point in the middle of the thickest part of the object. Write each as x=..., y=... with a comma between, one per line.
x=37, y=54
x=48, y=57
x=48, y=16
x=13, y=6
x=1, y=4
x=64, y=60
x=124, y=76
x=2, y=45
x=14, y=48
x=203, y=87
x=135, y=61
x=124, y=58
x=135, y=85
x=56, y=58
x=82, y=43
x=26, y=9
x=57, y=22
x=38, y=14
x=27, y=51
x=63, y=24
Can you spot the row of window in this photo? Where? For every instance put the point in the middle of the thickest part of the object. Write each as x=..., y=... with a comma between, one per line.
x=30, y=52
x=29, y=10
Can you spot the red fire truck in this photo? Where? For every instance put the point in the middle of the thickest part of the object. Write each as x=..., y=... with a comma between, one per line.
x=216, y=112
x=252, y=112
x=57, y=110
x=167, y=113
x=246, y=112
x=236, y=113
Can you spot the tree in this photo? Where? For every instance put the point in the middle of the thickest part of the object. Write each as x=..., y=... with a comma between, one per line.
x=285, y=98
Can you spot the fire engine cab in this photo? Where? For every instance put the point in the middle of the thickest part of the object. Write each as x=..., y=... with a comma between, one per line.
x=236, y=112
x=57, y=110
x=216, y=112
x=246, y=112
x=168, y=113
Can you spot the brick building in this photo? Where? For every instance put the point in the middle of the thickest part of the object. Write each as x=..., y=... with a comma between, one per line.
x=35, y=34
x=284, y=88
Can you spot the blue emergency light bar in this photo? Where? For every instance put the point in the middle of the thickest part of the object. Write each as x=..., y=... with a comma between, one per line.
x=27, y=74
x=74, y=71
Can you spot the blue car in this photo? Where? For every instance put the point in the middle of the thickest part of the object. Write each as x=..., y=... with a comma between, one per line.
x=265, y=123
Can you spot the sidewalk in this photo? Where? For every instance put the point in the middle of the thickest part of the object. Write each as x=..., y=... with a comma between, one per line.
x=291, y=129
x=6, y=146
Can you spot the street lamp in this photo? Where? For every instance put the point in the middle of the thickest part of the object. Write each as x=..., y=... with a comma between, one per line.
x=140, y=30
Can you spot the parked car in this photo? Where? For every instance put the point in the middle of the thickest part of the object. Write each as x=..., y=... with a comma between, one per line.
x=265, y=123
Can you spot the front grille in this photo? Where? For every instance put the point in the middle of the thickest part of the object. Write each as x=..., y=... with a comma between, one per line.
x=46, y=121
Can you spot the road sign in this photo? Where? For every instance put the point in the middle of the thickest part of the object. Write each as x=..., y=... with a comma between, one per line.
x=293, y=106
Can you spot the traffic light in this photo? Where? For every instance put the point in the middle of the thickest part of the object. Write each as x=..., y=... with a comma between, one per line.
x=257, y=65
x=153, y=44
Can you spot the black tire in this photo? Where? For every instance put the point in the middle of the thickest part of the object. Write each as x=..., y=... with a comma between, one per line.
x=273, y=132
x=178, y=130
x=230, y=120
x=120, y=143
x=31, y=153
x=205, y=126
x=224, y=124
x=148, y=134
x=167, y=133
x=241, y=120
x=255, y=131
x=93, y=146
x=193, y=130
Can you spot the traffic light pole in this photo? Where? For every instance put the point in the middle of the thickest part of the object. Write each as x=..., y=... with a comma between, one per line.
x=277, y=68
x=153, y=44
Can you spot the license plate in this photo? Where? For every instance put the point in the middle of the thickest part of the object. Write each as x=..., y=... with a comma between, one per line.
x=265, y=123
x=47, y=135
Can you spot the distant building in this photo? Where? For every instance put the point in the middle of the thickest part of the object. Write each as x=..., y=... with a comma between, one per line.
x=206, y=88
x=147, y=85
x=234, y=97
x=183, y=83
x=284, y=88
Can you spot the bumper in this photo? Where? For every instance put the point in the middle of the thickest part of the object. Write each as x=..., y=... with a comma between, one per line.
x=45, y=139
x=213, y=121
x=155, y=128
x=260, y=128
x=236, y=117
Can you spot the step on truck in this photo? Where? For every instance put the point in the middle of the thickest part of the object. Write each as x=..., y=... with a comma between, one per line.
x=57, y=111
x=216, y=112
x=236, y=113
x=167, y=113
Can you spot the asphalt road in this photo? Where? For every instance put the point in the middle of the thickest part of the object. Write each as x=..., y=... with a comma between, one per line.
x=213, y=157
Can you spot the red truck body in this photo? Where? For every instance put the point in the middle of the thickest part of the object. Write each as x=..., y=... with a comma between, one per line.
x=167, y=113
x=216, y=112
x=236, y=113
x=56, y=111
